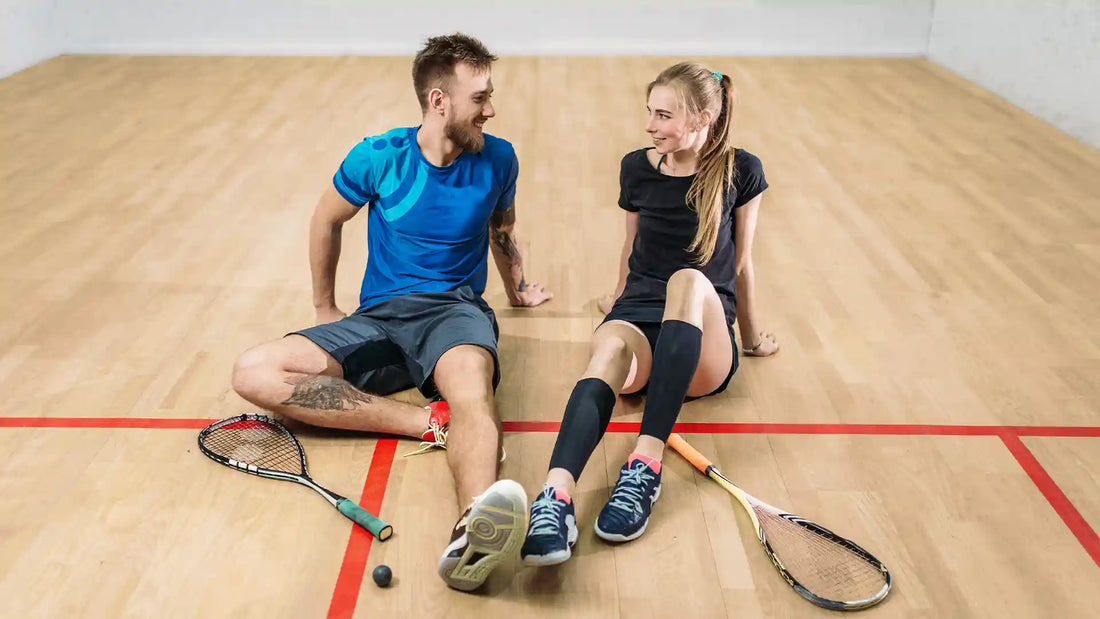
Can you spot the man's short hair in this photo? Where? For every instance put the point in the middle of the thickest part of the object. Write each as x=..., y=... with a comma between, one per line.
x=434, y=65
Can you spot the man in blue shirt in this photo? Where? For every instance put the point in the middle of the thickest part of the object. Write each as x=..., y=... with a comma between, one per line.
x=438, y=197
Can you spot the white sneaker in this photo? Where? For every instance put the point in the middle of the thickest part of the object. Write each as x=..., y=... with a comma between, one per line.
x=491, y=530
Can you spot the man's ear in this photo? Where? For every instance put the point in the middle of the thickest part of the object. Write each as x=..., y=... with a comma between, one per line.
x=436, y=98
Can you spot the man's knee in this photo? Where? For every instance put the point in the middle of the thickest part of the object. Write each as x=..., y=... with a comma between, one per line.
x=252, y=371
x=466, y=361
x=466, y=367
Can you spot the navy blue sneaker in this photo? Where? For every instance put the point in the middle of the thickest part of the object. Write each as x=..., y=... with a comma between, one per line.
x=553, y=529
x=627, y=511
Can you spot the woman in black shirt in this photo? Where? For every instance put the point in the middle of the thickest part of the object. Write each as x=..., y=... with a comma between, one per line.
x=668, y=334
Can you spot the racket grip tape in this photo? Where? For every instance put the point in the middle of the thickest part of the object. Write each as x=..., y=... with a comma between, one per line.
x=689, y=453
x=365, y=519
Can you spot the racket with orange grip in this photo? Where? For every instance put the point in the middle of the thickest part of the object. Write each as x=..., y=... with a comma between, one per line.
x=823, y=567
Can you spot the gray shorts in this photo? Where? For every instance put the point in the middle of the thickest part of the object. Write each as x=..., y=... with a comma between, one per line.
x=394, y=345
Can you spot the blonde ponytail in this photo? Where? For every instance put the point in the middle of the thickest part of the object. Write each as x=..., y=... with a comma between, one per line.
x=702, y=89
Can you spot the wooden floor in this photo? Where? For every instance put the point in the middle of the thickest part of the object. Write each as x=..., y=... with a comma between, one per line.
x=928, y=255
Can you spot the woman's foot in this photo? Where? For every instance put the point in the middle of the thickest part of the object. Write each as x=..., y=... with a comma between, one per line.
x=553, y=529
x=626, y=514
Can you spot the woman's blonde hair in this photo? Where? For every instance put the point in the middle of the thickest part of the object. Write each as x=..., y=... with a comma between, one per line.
x=701, y=89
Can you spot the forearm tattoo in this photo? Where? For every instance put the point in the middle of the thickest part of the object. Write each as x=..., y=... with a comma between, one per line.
x=506, y=243
x=326, y=393
x=508, y=252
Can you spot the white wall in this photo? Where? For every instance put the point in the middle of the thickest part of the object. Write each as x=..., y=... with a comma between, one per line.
x=531, y=27
x=26, y=35
x=1040, y=55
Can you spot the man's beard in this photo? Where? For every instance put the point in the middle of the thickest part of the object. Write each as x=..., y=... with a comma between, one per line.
x=465, y=136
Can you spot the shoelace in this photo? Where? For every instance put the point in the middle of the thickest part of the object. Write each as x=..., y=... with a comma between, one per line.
x=440, y=435
x=628, y=493
x=544, y=514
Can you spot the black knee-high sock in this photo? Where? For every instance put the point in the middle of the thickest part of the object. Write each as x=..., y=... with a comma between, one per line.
x=675, y=359
x=586, y=417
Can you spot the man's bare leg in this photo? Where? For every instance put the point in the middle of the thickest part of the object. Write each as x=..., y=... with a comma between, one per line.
x=491, y=530
x=464, y=377
x=296, y=378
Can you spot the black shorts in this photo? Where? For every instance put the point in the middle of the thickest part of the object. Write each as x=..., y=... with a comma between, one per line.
x=394, y=345
x=648, y=321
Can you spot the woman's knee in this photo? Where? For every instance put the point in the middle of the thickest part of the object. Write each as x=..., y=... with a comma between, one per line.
x=687, y=296
x=609, y=353
x=688, y=283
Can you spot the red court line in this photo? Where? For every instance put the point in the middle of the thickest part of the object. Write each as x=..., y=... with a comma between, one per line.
x=1054, y=495
x=350, y=580
x=104, y=422
x=826, y=428
x=1054, y=431
x=834, y=428
x=617, y=426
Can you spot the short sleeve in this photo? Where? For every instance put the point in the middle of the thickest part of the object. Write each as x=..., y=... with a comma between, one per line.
x=750, y=177
x=508, y=194
x=624, y=197
x=354, y=178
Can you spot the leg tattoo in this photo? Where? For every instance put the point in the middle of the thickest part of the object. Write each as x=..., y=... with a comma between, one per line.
x=325, y=393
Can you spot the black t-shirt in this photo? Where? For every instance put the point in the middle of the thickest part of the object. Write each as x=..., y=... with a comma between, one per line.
x=666, y=227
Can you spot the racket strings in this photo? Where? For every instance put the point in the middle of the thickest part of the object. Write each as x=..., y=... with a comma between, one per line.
x=257, y=443
x=819, y=563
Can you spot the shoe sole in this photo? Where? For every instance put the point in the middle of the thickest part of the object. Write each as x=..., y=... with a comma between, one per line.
x=615, y=537
x=554, y=558
x=495, y=529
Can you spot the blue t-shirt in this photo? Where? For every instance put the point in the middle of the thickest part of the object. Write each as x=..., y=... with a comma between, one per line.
x=427, y=226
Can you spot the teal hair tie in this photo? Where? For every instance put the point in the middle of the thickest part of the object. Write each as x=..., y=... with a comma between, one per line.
x=717, y=75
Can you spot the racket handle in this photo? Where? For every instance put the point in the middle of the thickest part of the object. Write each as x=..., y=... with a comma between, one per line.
x=365, y=519
x=689, y=453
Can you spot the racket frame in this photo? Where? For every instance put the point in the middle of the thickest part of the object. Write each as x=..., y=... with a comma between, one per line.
x=747, y=501
x=304, y=479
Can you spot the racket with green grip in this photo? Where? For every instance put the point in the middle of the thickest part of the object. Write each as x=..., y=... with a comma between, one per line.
x=262, y=446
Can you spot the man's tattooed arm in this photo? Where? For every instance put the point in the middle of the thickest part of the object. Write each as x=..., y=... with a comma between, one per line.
x=505, y=248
